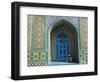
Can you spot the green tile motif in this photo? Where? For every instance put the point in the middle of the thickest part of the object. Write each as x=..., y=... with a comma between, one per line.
x=38, y=34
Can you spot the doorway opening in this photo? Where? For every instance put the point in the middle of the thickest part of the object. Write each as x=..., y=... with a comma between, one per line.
x=64, y=42
x=63, y=47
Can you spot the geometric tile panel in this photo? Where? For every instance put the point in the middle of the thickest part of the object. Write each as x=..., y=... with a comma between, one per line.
x=83, y=40
x=29, y=31
x=41, y=63
x=36, y=38
x=38, y=32
x=83, y=56
x=83, y=32
x=37, y=59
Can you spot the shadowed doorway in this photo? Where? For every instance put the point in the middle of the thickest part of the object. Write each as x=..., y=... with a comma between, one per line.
x=64, y=43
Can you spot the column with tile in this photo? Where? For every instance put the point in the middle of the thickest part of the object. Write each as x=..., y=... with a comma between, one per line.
x=83, y=40
x=38, y=54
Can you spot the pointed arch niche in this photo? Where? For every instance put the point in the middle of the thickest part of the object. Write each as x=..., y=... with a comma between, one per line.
x=63, y=45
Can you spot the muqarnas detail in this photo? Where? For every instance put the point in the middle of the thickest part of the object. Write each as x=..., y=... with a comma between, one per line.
x=56, y=40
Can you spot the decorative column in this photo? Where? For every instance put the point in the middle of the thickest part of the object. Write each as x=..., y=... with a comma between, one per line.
x=83, y=40
x=37, y=54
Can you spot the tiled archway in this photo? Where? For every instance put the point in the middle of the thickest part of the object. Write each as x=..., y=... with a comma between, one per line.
x=68, y=28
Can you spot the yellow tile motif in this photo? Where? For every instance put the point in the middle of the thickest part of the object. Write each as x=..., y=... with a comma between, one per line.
x=83, y=32
x=35, y=56
x=43, y=56
x=83, y=40
x=38, y=35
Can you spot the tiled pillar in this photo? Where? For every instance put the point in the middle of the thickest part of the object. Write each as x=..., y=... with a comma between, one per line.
x=37, y=55
x=83, y=40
